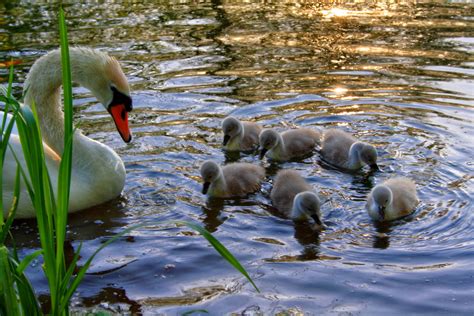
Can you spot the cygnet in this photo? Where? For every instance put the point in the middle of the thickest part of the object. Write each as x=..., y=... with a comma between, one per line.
x=232, y=180
x=294, y=197
x=344, y=151
x=239, y=135
x=288, y=145
x=392, y=199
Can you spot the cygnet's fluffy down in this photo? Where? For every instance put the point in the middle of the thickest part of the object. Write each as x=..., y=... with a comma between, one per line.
x=232, y=180
x=295, y=143
x=344, y=151
x=294, y=197
x=394, y=198
x=240, y=135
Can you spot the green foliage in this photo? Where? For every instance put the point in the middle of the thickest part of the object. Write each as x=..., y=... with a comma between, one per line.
x=17, y=296
x=16, y=293
x=221, y=250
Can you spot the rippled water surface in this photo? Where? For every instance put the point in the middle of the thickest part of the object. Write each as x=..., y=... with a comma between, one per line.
x=399, y=76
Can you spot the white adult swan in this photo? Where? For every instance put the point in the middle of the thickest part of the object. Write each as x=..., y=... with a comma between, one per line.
x=98, y=173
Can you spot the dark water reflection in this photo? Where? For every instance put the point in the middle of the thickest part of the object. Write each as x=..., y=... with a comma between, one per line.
x=399, y=75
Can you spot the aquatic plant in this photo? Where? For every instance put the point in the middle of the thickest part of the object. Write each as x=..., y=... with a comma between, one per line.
x=17, y=296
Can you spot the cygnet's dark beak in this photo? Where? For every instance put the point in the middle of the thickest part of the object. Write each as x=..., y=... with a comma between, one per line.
x=205, y=187
x=382, y=212
x=263, y=151
x=316, y=219
x=226, y=140
x=374, y=167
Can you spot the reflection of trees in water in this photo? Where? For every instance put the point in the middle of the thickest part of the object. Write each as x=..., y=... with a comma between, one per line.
x=113, y=295
x=99, y=221
x=308, y=237
x=285, y=47
x=382, y=237
x=212, y=213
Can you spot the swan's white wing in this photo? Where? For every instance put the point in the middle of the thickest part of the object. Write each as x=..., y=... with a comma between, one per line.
x=25, y=208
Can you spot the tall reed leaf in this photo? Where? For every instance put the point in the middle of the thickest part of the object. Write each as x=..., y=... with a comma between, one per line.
x=65, y=168
x=51, y=211
x=16, y=293
x=220, y=249
x=9, y=301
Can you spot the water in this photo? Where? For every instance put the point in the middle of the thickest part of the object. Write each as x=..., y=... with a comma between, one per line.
x=399, y=76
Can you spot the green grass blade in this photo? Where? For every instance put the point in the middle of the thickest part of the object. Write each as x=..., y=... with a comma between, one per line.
x=26, y=295
x=70, y=270
x=65, y=168
x=80, y=275
x=32, y=146
x=27, y=260
x=5, y=136
x=8, y=95
x=66, y=161
x=66, y=73
x=7, y=289
x=3, y=147
x=11, y=214
x=24, y=176
x=221, y=249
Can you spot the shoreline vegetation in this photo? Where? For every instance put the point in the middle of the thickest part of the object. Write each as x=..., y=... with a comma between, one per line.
x=17, y=295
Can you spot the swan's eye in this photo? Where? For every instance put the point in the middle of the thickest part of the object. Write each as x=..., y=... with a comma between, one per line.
x=120, y=98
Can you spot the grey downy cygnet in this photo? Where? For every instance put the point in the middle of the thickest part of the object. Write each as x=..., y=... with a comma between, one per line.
x=393, y=199
x=344, y=151
x=295, y=198
x=294, y=143
x=232, y=180
x=240, y=135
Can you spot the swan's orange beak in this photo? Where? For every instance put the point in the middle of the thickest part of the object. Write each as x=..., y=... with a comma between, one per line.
x=120, y=115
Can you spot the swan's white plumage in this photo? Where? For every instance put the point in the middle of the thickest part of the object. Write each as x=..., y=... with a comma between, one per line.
x=98, y=173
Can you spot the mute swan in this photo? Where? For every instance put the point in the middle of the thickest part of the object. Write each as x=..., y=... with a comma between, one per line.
x=233, y=180
x=344, y=151
x=294, y=197
x=240, y=135
x=98, y=173
x=392, y=199
x=291, y=144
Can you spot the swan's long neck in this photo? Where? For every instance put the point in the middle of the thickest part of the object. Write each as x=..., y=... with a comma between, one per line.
x=240, y=135
x=355, y=161
x=93, y=162
x=43, y=89
x=280, y=150
x=297, y=212
x=236, y=141
x=219, y=186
